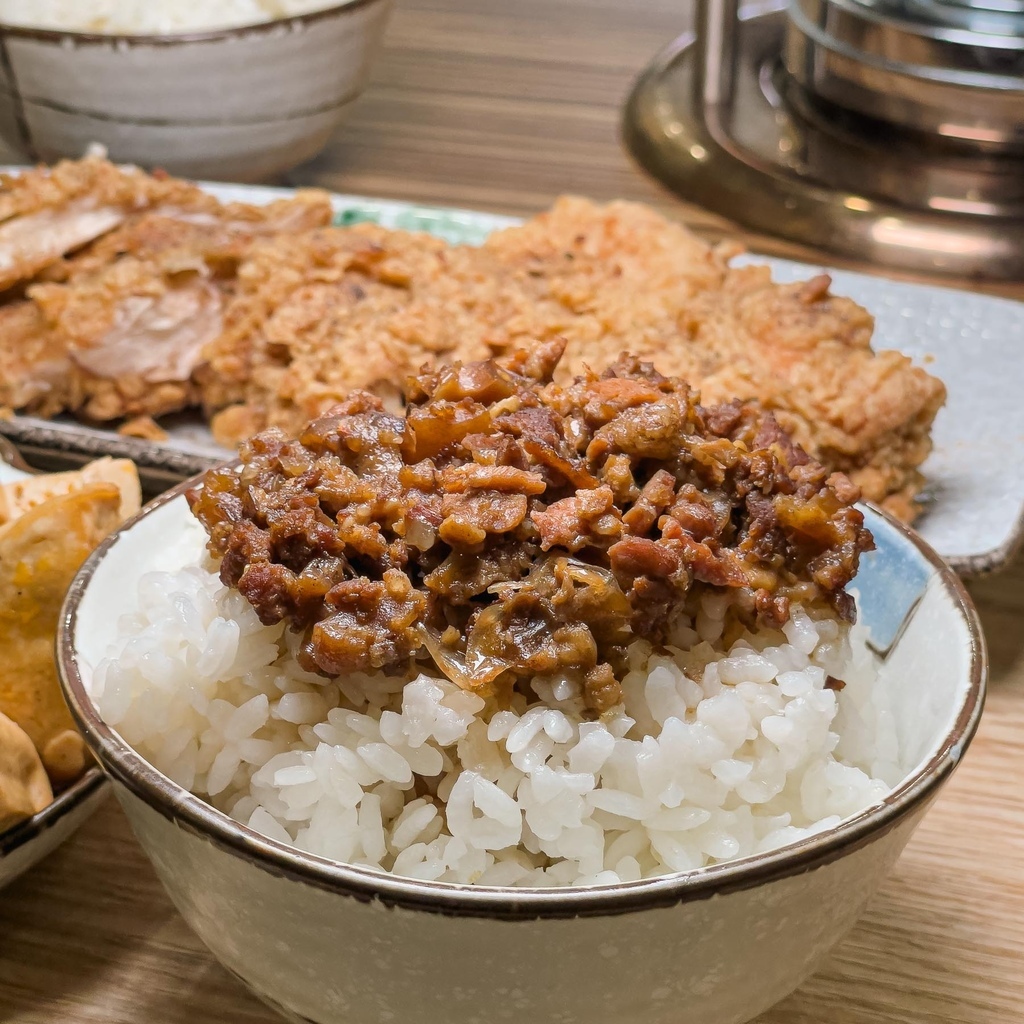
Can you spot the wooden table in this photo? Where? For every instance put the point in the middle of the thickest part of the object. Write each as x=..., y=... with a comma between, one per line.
x=502, y=105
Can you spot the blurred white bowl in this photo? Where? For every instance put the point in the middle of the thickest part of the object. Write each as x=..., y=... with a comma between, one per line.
x=244, y=104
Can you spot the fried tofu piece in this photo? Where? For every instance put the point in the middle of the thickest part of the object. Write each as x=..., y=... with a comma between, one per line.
x=39, y=554
x=18, y=496
x=50, y=526
x=24, y=785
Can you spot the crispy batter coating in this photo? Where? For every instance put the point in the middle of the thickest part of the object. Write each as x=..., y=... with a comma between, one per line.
x=320, y=314
x=514, y=528
x=145, y=295
x=35, y=372
x=48, y=212
x=118, y=330
x=798, y=350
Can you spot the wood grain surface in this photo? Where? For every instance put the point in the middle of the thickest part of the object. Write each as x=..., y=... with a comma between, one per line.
x=503, y=104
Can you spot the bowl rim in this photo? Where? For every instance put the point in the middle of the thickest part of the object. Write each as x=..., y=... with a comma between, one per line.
x=194, y=815
x=115, y=40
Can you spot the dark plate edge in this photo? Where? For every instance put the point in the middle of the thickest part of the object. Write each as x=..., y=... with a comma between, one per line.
x=64, y=803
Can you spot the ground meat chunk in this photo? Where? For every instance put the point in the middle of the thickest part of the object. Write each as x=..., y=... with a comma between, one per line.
x=481, y=511
x=640, y=556
x=497, y=478
x=656, y=496
x=508, y=527
x=371, y=624
x=588, y=518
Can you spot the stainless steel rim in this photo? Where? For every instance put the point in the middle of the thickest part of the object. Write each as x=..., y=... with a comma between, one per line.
x=954, y=83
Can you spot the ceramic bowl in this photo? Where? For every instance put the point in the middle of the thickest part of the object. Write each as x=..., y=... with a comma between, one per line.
x=28, y=842
x=327, y=942
x=243, y=104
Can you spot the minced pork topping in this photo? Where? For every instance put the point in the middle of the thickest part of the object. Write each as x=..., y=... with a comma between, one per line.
x=509, y=527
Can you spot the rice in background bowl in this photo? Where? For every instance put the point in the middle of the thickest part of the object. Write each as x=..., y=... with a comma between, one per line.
x=144, y=17
x=243, y=103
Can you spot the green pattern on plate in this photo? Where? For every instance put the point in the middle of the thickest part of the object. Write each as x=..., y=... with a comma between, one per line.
x=459, y=227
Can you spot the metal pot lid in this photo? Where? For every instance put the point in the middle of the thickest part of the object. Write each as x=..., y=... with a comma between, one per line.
x=937, y=74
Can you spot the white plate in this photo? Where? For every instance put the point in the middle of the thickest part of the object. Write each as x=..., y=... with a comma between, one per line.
x=975, y=509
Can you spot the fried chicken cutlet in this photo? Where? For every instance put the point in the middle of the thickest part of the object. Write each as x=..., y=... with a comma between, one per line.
x=133, y=295
x=317, y=315
x=48, y=212
x=796, y=349
x=117, y=329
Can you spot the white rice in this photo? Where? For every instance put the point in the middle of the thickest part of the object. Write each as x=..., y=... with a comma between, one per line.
x=715, y=754
x=150, y=17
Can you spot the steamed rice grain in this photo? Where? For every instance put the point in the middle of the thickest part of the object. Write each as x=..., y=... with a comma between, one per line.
x=716, y=753
x=150, y=17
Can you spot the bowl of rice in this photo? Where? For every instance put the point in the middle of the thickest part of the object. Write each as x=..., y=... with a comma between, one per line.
x=239, y=90
x=537, y=702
